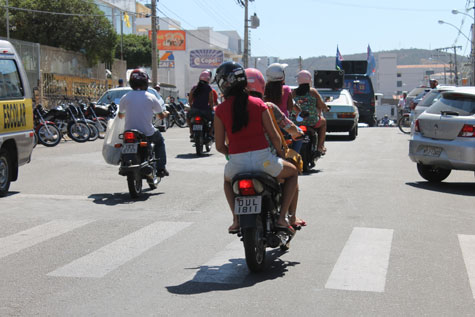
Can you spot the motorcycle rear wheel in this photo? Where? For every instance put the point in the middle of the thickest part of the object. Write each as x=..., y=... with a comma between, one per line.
x=134, y=182
x=254, y=248
x=198, y=145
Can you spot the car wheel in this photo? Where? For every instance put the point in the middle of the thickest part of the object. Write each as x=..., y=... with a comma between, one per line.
x=353, y=132
x=433, y=174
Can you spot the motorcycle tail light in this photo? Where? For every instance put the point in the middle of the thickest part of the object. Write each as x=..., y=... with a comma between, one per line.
x=143, y=144
x=416, y=126
x=246, y=187
x=117, y=145
x=197, y=119
x=129, y=137
x=303, y=128
x=373, y=103
x=468, y=130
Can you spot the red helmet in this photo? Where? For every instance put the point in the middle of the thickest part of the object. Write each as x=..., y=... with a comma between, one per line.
x=255, y=80
x=138, y=79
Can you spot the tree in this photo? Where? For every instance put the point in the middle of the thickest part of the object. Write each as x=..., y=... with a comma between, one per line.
x=91, y=33
x=137, y=50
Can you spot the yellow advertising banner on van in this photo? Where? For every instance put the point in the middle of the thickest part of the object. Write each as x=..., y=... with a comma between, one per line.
x=16, y=115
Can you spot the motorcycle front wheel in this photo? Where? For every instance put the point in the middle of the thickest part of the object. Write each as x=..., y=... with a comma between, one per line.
x=180, y=120
x=79, y=131
x=102, y=127
x=254, y=248
x=49, y=135
x=134, y=182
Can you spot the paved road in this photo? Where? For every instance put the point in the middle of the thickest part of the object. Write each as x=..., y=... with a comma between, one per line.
x=380, y=240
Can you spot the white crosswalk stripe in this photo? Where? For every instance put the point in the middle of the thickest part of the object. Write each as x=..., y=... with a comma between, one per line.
x=363, y=263
x=227, y=267
x=30, y=237
x=467, y=244
x=108, y=258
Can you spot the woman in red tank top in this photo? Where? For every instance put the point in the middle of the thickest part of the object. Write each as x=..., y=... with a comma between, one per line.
x=245, y=120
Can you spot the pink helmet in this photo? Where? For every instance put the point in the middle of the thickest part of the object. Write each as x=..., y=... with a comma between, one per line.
x=205, y=76
x=304, y=77
x=255, y=80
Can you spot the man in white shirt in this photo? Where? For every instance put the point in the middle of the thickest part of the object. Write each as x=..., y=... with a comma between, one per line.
x=401, y=105
x=138, y=107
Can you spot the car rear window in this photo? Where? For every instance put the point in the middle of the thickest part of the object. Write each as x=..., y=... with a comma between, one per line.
x=462, y=104
x=430, y=98
x=334, y=97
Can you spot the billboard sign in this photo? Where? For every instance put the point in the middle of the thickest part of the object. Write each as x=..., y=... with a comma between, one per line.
x=167, y=60
x=170, y=40
x=206, y=58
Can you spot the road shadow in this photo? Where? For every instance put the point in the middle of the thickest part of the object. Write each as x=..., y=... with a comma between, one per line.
x=311, y=172
x=115, y=199
x=462, y=189
x=275, y=268
x=10, y=193
x=192, y=156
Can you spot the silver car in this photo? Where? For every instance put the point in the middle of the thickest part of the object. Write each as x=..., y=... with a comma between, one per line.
x=430, y=98
x=444, y=136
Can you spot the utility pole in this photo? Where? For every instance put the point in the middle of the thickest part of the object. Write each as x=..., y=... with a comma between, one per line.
x=154, y=43
x=456, y=79
x=300, y=63
x=7, y=14
x=245, y=57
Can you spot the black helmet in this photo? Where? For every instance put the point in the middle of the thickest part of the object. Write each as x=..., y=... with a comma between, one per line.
x=230, y=75
x=138, y=79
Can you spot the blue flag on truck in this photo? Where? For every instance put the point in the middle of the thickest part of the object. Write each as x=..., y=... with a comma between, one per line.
x=371, y=63
x=339, y=58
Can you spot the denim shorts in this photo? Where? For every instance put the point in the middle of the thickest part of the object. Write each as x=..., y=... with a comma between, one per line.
x=253, y=161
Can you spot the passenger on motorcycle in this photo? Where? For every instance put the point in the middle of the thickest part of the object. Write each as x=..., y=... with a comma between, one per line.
x=245, y=120
x=256, y=86
x=276, y=92
x=138, y=107
x=201, y=100
x=310, y=101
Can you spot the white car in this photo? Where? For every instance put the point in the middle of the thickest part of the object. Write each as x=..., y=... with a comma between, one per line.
x=343, y=115
x=444, y=136
x=113, y=96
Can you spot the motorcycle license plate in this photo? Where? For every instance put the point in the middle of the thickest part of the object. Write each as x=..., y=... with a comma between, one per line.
x=247, y=205
x=198, y=127
x=129, y=148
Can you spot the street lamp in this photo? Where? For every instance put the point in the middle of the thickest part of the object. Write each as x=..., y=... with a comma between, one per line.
x=460, y=32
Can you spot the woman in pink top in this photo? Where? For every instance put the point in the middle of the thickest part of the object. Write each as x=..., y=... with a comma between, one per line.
x=276, y=92
x=245, y=120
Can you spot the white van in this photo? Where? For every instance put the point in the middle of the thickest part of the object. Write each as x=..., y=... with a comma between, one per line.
x=16, y=116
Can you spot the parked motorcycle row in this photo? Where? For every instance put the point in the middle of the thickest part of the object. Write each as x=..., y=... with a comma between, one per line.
x=79, y=121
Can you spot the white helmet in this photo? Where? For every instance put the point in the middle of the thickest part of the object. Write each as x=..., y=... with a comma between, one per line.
x=275, y=72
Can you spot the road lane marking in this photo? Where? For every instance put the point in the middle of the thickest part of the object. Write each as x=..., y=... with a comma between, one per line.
x=227, y=267
x=108, y=258
x=467, y=244
x=363, y=263
x=30, y=237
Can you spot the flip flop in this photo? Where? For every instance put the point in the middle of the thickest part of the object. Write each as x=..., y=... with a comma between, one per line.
x=301, y=223
x=233, y=231
x=288, y=228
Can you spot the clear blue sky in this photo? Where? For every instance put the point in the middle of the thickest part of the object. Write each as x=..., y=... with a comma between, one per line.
x=315, y=27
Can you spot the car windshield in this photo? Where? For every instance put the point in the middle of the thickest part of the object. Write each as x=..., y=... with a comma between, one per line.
x=360, y=86
x=462, y=104
x=112, y=96
x=416, y=91
x=334, y=97
x=430, y=98
x=115, y=95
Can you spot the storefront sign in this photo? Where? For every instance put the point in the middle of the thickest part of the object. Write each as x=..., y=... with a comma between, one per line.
x=167, y=60
x=206, y=58
x=170, y=40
